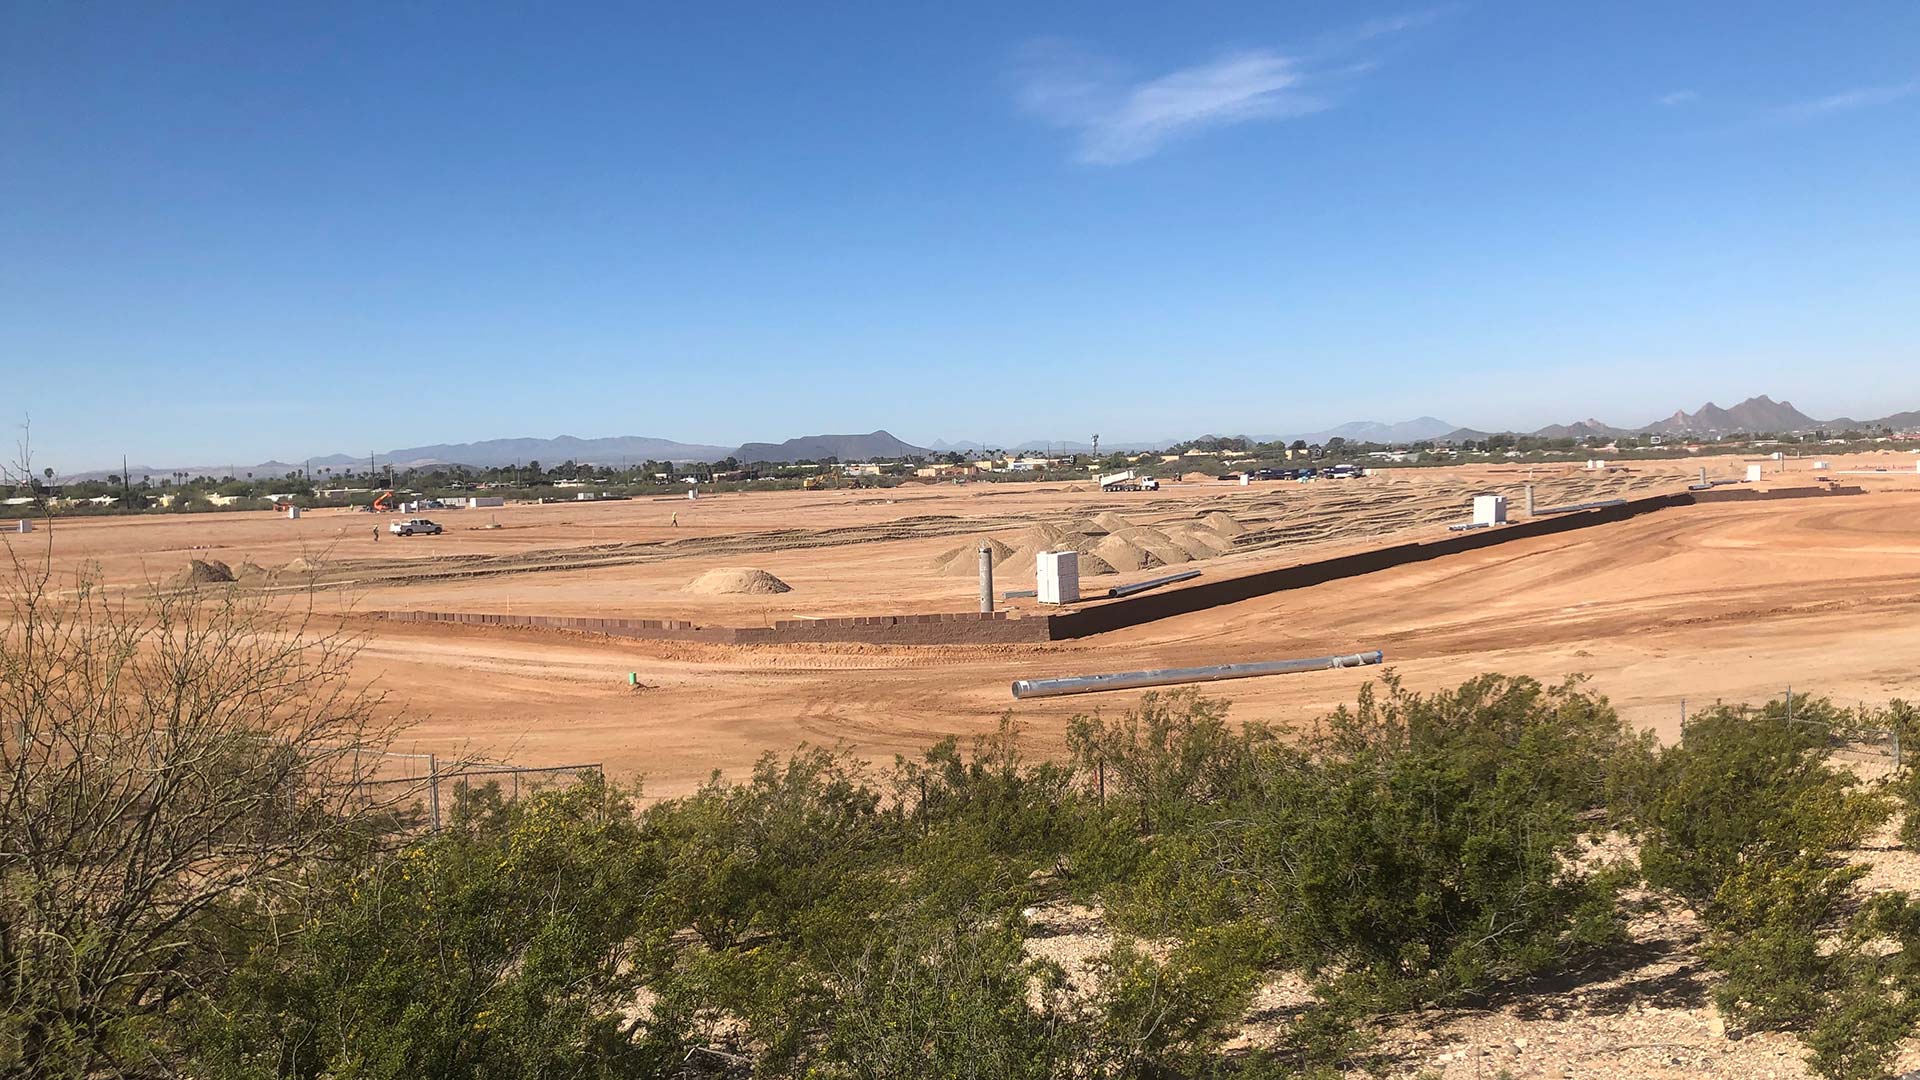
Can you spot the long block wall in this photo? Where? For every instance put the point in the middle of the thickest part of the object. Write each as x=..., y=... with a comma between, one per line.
x=1731, y=494
x=969, y=627
x=1150, y=607
x=941, y=629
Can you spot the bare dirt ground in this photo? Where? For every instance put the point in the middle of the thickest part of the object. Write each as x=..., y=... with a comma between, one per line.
x=1696, y=604
x=1699, y=603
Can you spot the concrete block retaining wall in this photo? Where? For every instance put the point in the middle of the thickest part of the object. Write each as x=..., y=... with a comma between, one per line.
x=940, y=629
x=971, y=628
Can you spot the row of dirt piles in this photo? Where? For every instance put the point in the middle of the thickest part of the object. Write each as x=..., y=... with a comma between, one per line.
x=248, y=573
x=1107, y=543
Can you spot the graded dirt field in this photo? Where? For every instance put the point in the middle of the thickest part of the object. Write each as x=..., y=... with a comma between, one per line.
x=1731, y=601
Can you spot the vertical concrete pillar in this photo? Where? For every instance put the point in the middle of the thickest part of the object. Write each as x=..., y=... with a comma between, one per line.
x=986, y=579
x=1529, y=500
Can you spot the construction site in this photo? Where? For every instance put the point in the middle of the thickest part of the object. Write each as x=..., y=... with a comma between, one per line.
x=674, y=637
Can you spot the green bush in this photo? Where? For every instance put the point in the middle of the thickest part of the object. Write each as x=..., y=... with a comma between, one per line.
x=1426, y=849
x=504, y=946
x=1739, y=790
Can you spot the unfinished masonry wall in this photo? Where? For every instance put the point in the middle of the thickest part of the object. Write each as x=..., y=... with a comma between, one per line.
x=964, y=628
x=967, y=627
x=1154, y=606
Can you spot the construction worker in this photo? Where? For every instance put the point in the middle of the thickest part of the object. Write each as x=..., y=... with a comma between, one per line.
x=676, y=519
x=376, y=534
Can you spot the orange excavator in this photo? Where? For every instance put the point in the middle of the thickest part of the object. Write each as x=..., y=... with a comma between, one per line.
x=383, y=502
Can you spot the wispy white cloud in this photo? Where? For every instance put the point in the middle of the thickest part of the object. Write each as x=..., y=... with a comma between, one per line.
x=1858, y=98
x=1118, y=119
x=1678, y=97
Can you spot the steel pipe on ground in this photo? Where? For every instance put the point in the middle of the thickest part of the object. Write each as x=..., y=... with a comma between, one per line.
x=1129, y=680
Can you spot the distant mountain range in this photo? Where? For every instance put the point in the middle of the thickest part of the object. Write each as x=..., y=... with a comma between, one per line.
x=496, y=452
x=876, y=444
x=1406, y=431
x=1755, y=414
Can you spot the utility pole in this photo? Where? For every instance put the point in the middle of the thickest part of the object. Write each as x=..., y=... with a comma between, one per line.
x=126, y=482
x=1096, y=446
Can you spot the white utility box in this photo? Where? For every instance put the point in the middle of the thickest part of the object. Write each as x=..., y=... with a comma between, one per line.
x=1057, y=577
x=1489, y=509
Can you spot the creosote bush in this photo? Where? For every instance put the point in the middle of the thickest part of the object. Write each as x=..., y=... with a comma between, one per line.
x=188, y=888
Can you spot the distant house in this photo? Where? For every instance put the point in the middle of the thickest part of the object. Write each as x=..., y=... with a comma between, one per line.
x=860, y=468
x=1029, y=464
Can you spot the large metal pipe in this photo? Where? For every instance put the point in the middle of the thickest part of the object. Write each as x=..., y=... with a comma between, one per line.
x=1143, y=586
x=986, y=580
x=1130, y=680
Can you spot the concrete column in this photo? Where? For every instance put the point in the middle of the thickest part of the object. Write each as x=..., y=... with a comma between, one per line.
x=986, y=580
x=1529, y=500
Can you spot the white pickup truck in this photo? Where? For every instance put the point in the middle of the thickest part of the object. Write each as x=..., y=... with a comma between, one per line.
x=414, y=526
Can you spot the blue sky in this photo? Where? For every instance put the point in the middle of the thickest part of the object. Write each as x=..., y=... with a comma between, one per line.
x=230, y=232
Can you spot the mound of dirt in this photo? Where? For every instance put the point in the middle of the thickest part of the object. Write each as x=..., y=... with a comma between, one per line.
x=1042, y=533
x=1224, y=523
x=968, y=554
x=302, y=565
x=733, y=581
x=1198, y=542
x=964, y=561
x=1024, y=563
x=1111, y=522
x=1165, y=549
x=1091, y=564
x=251, y=571
x=1120, y=555
x=203, y=572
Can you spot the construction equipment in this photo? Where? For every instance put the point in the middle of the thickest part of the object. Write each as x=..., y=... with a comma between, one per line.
x=383, y=502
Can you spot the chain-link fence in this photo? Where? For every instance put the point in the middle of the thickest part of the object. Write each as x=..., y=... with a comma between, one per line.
x=1871, y=750
x=430, y=781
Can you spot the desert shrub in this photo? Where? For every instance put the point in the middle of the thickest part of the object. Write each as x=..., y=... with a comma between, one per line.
x=1171, y=758
x=1744, y=821
x=1874, y=1000
x=164, y=798
x=504, y=946
x=1739, y=791
x=1025, y=810
x=961, y=1001
x=1163, y=1017
x=794, y=853
x=1426, y=849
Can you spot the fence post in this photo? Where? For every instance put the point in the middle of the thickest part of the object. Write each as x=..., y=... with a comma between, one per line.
x=1683, y=715
x=1789, y=703
x=433, y=788
x=1100, y=769
x=1896, y=747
